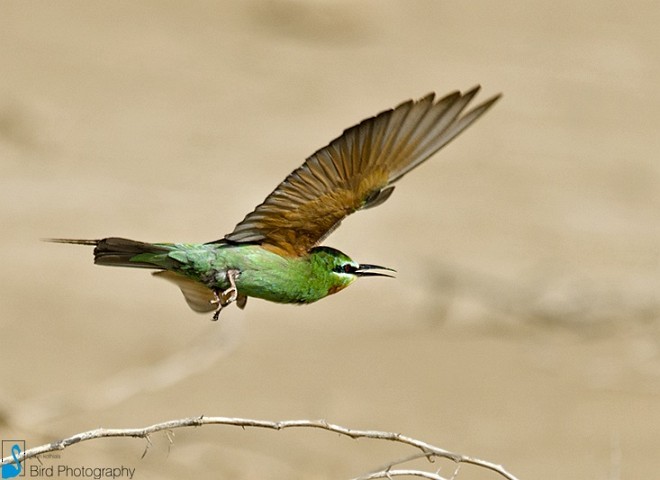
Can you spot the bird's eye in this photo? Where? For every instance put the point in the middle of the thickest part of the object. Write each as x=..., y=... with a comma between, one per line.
x=345, y=268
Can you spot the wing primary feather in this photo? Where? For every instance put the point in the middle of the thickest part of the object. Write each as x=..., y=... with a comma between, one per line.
x=321, y=175
x=466, y=120
x=450, y=129
x=448, y=110
x=457, y=127
x=451, y=111
x=365, y=146
x=395, y=119
x=409, y=135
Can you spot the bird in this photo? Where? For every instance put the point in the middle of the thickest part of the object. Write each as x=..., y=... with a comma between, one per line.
x=275, y=252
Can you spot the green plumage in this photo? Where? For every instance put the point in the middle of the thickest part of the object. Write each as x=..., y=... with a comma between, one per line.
x=263, y=274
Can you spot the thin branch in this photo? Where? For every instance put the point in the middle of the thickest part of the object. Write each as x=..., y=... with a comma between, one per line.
x=428, y=449
x=402, y=473
x=394, y=463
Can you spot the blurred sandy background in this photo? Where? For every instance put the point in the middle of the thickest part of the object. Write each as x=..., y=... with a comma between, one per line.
x=523, y=327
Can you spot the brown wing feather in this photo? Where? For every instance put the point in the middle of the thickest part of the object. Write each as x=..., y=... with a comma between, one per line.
x=355, y=171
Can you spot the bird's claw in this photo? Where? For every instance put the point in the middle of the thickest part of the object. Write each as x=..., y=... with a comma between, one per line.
x=226, y=297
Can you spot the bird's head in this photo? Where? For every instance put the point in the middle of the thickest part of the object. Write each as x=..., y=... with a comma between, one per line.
x=340, y=270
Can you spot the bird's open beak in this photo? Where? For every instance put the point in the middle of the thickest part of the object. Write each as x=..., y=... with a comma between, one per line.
x=365, y=270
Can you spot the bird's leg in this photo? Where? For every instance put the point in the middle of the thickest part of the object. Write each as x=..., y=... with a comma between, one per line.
x=217, y=301
x=231, y=294
x=224, y=298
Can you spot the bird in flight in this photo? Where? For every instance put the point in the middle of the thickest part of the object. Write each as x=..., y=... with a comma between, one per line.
x=275, y=252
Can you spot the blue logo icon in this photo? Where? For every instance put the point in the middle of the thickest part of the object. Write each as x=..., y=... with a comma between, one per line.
x=15, y=468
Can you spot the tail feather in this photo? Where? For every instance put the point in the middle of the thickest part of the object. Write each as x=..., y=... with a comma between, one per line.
x=74, y=241
x=119, y=252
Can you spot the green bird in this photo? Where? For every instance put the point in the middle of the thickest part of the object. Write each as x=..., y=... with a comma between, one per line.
x=275, y=252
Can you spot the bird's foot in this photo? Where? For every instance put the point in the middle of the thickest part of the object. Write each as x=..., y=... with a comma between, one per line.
x=217, y=300
x=226, y=297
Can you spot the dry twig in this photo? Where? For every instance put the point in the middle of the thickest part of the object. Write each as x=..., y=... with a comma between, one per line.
x=402, y=473
x=427, y=449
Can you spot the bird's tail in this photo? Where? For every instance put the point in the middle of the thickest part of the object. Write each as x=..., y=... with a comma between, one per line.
x=122, y=252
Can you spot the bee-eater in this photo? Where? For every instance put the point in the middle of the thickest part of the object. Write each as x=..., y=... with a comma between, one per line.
x=274, y=253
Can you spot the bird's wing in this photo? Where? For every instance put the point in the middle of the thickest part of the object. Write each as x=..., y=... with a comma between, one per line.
x=198, y=297
x=355, y=171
